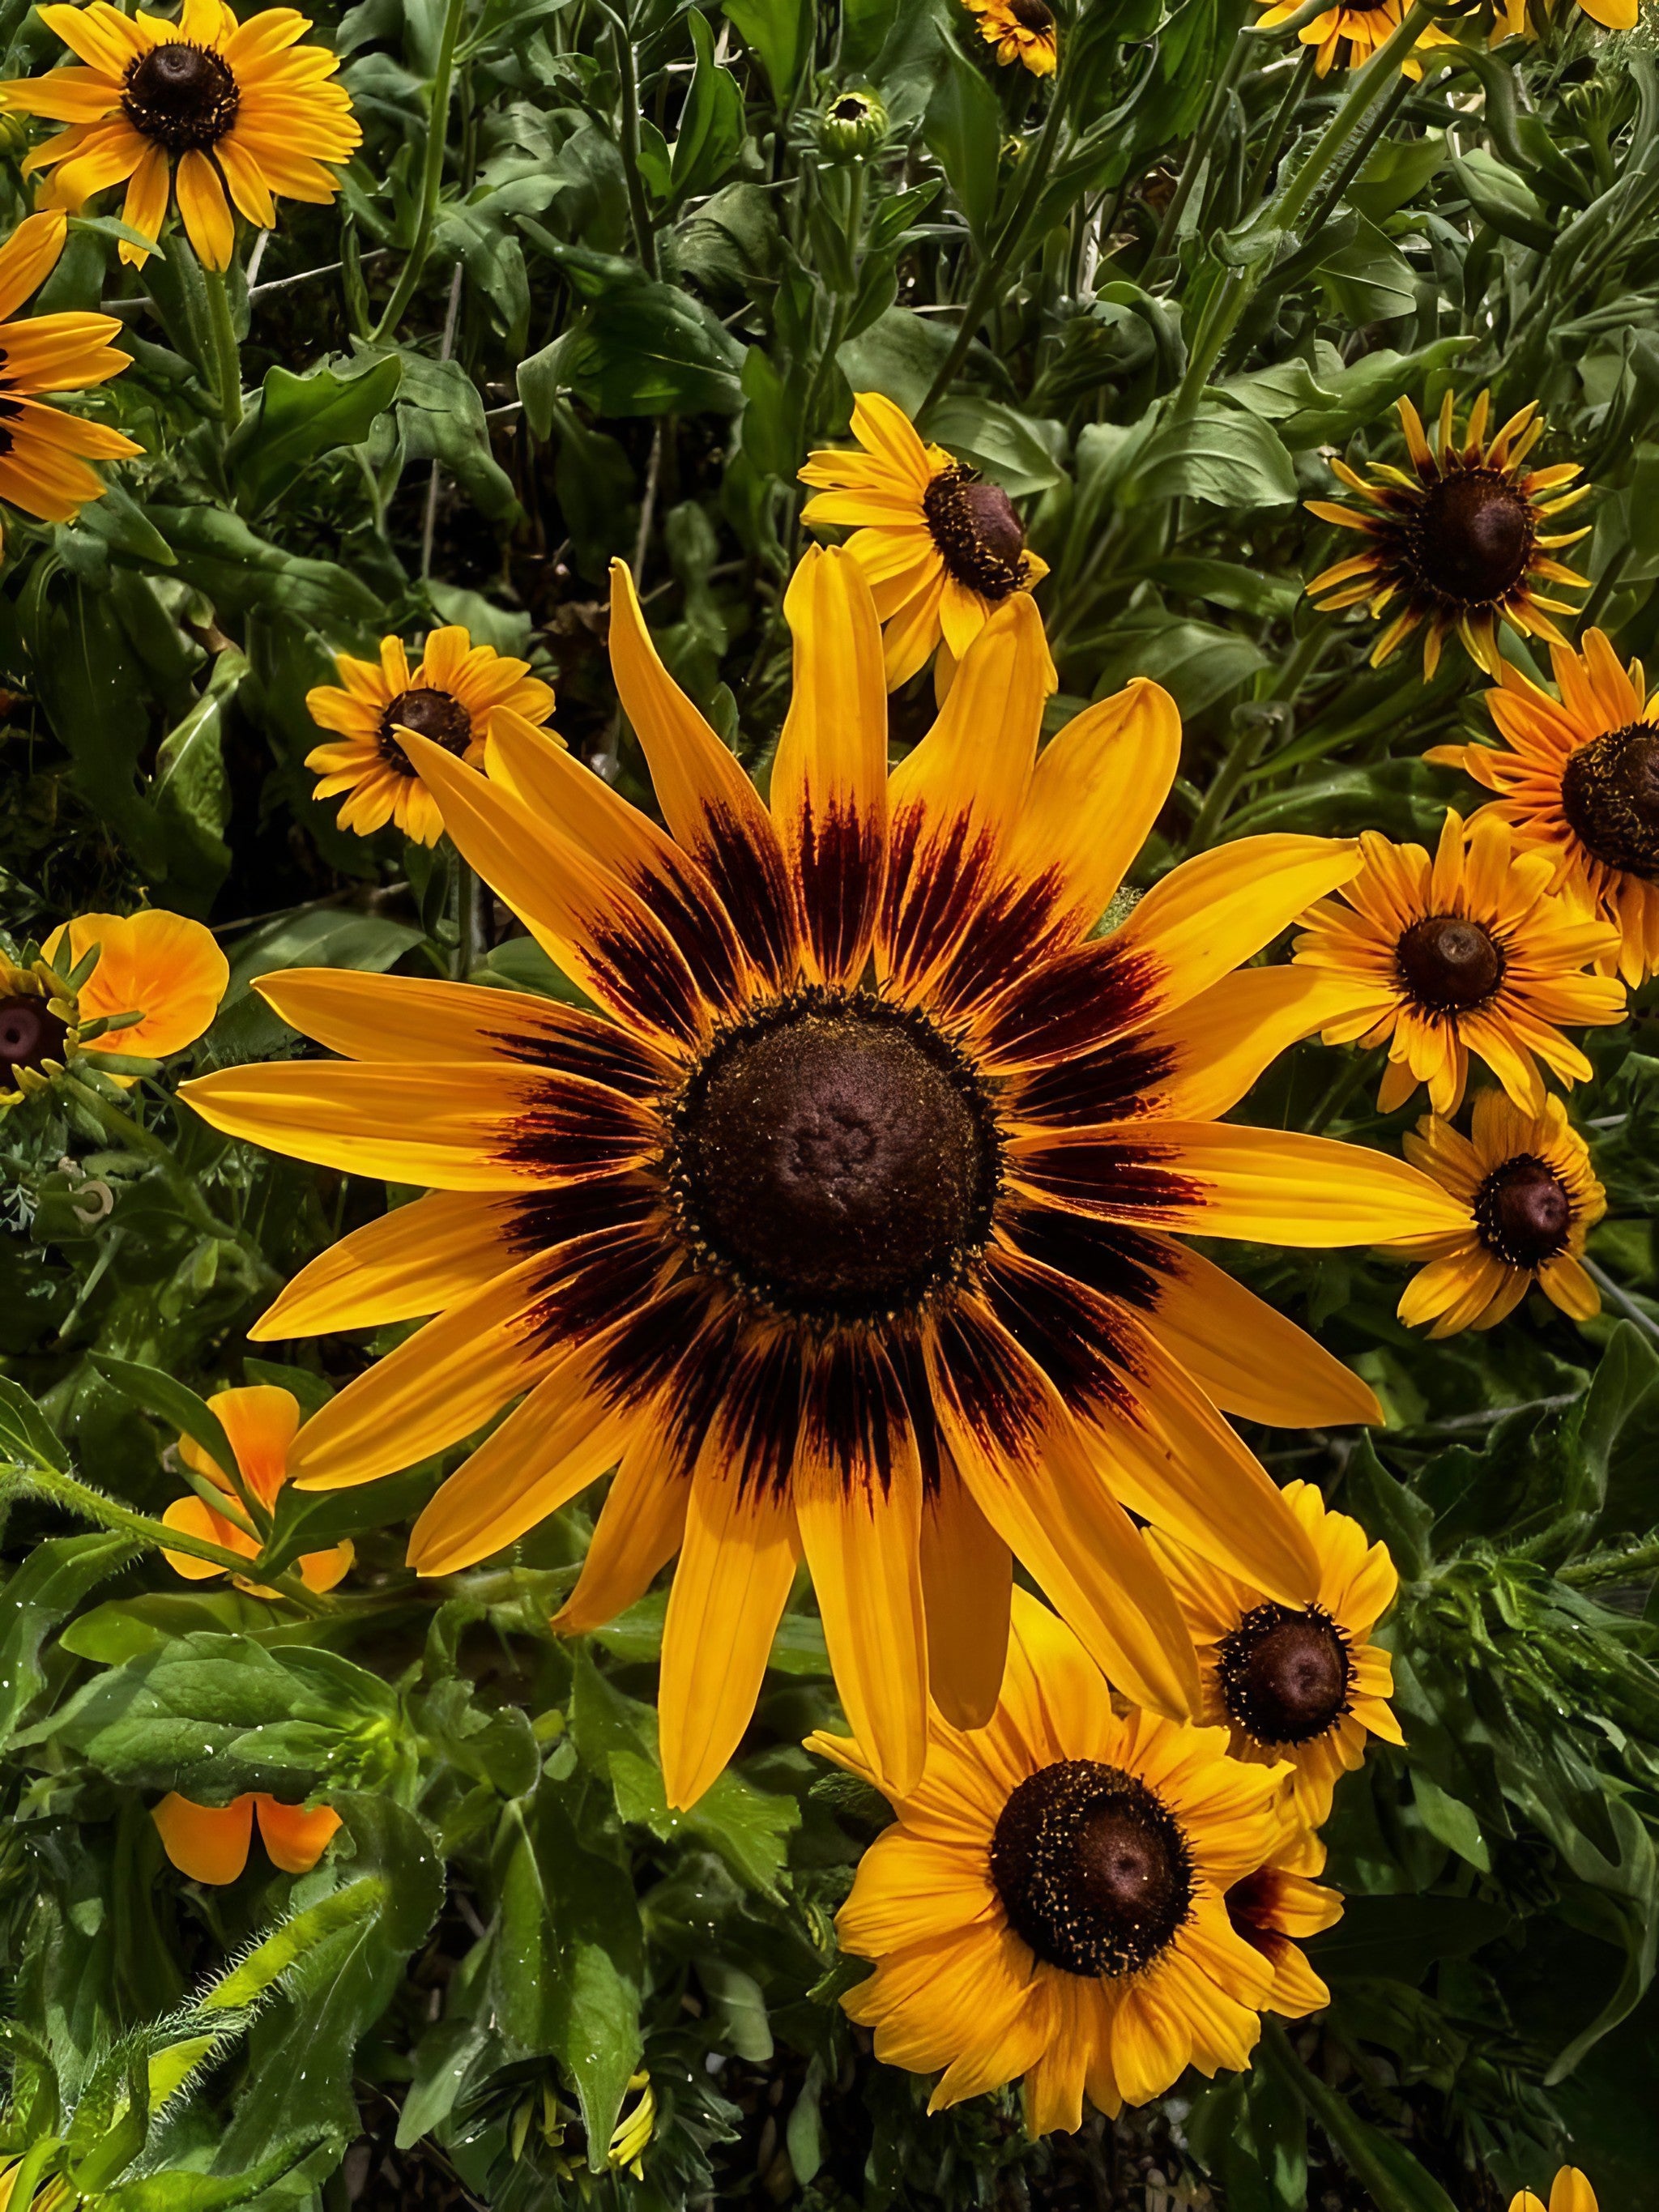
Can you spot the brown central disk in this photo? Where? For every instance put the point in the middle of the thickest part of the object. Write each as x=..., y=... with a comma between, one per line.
x=1032, y=16
x=1092, y=1868
x=1471, y=537
x=833, y=1158
x=1610, y=794
x=976, y=527
x=1285, y=1675
x=29, y=1033
x=181, y=95
x=1522, y=1211
x=1448, y=964
x=434, y=714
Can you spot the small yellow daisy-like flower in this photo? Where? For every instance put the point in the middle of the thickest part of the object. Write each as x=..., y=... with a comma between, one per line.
x=942, y=550
x=1051, y=1901
x=1465, y=952
x=261, y=1423
x=1023, y=31
x=457, y=694
x=1274, y=1907
x=1302, y=1684
x=162, y=967
x=220, y=114
x=1346, y=36
x=1462, y=543
x=209, y=1843
x=1519, y=19
x=1577, y=777
x=1570, y=2190
x=1532, y=1196
x=44, y=452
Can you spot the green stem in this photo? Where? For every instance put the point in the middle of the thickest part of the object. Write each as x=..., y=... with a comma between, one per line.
x=1197, y=152
x=1294, y=92
x=639, y=207
x=432, y=173
x=1387, y=109
x=1631, y=1565
x=1622, y=1298
x=226, y=354
x=1246, y=748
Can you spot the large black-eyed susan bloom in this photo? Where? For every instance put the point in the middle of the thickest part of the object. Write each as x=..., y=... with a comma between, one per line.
x=1465, y=952
x=46, y=452
x=1302, y=1684
x=1462, y=543
x=941, y=548
x=1023, y=31
x=1051, y=1903
x=1577, y=775
x=847, y=1226
x=1529, y=1196
x=455, y=694
x=1347, y=35
x=222, y=116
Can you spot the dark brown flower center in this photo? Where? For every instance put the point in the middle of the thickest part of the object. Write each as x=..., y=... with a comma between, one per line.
x=835, y=1158
x=1285, y=1676
x=1448, y=964
x=30, y=1033
x=1032, y=16
x=1522, y=1211
x=1610, y=794
x=434, y=714
x=1092, y=1868
x=976, y=528
x=182, y=95
x=851, y=107
x=1471, y=537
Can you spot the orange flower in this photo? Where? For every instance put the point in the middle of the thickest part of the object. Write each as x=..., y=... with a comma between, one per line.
x=161, y=967
x=261, y=1423
x=209, y=1843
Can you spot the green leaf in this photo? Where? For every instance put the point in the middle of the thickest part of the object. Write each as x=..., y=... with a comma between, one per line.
x=964, y=127
x=1626, y=1373
x=899, y=356
x=1390, y=1510
x=646, y=347
x=1216, y=455
x=172, y=1401
x=1395, y=2179
x=299, y=419
x=27, y=1437
x=239, y=570
x=1502, y=198
x=191, y=791
x=1196, y=662
x=50, y=1584
x=1451, y=1819
x=1021, y=455
x=780, y=33
x=711, y=132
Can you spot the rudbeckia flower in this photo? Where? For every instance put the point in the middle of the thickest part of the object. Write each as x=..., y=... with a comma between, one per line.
x=242, y=110
x=1051, y=1901
x=1529, y=1196
x=848, y=1222
x=1023, y=31
x=209, y=1843
x=1460, y=544
x=942, y=550
x=1569, y=2192
x=44, y=452
x=1578, y=776
x=455, y=695
x=1274, y=1906
x=1299, y=1683
x=162, y=967
x=260, y=1423
x=1465, y=952
x=1346, y=36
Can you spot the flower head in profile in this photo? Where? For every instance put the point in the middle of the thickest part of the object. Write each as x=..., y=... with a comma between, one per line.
x=1530, y=1197
x=942, y=549
x=76, y=996
x=210, y=1842
x=1023, y=31
x=1467, y=952
x=1577, y=777
x=1348, y=34
x=1569, y=2192
x=1304, y=1683
x=222, y=116
x=848, y=1221
x=1052, y=1900
x=260, y=1424
x=455, y=696
x=1276, y=1908
x=1460, y=543
x=44, y=452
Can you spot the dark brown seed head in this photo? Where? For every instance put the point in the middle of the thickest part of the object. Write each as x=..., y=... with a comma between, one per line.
x=1610, y=795
x=1285, y=1676
x=434, y=714
x=1032, y=16
x=1448, y=964
x=30, y=1033
x=181, y=95
x=1471, y=537
x=976, y=529
x=1092, y=1868
x=1523, y=1213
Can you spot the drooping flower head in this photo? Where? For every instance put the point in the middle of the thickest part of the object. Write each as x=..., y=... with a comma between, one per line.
x=260, y=1423
x=1347, y=35
x=209, y=1843
x=456, y=693
x=1276, y=1908
x=1299, y=1683
x=162, y=967
x=1467, y=952
x=1460, y=543
x=1530, y=1197
x=223, y=115
x=849, y=1224
x=942, y=549
x=1023, y=31
x=1578, y=776
x=1051, y=1901
x=44, y=451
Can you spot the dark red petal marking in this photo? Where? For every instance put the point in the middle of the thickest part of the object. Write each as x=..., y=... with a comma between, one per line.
x=936, y=878
x=1066, y=1331
x=1012, y=930
x=593, y=1281
x=1109, y=1175
x=745, y=866
x=1116, y=1083
x=1115, y=1261
x=553, y=1217
x=683, y=900
x=904, y=1349
x=578, y=1128
x=641, y=969
x=1072, y=1004
x=649, y=1353
x=996, y=1395
x=854, y=1411
x=840, y=863
x=598, y=1051
x=754, y=1427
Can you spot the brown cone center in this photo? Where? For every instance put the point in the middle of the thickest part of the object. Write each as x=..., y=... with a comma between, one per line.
x=1032, y=16
x=1610, y=795
x=1449, y=963
x=1472, y=536
x=29, y=1034
x=1523, y=1213
x=1285, y=1676
x=977, y=530
x=434, y=714
x=1092, y=1868
x=182, y=95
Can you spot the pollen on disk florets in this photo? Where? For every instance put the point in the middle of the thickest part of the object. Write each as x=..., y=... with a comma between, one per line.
x=1449, y=963
x=976, y=528
x=1610, y=796
x=1523, y=1212
x=833, y=1157
x=1469, y=539
x=1092, y=1868
x=430, y=714
x=1286, y=1676
x=182, y=95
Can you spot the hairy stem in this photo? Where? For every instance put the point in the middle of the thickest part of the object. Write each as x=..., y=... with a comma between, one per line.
x=432, y=173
